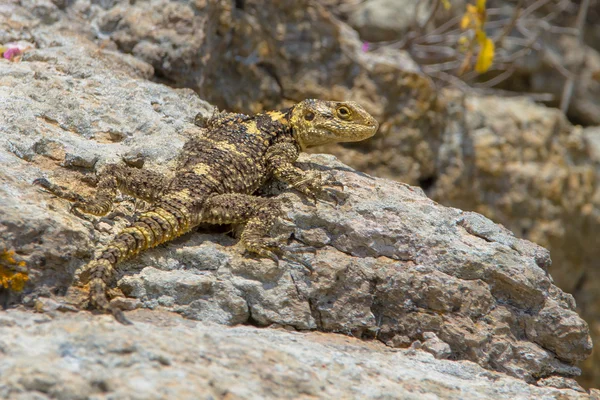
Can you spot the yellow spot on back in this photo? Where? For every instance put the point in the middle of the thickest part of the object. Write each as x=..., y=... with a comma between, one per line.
x=228, y=147
x=123, y=248
x=251, y=128
x=275, y=115
x=183, y=195
x=202, y=169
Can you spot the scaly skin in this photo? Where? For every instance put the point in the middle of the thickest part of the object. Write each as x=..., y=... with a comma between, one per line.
x=217, y=174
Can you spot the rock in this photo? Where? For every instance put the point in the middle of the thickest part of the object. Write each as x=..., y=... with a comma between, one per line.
x=436, y=346
x=592, y=136
x=381, y=20
x=560, y=382
x=79, y=356
x=49, y=135
x=506, y=158
x=391, y=263
x=541, y=72
x=523, y=165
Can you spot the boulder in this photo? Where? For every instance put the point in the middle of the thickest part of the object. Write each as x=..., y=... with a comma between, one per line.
x=390, y=264
x=163, y=356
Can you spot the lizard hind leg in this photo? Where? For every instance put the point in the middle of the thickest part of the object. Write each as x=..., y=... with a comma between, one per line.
x=99, y=272
x=143, y=184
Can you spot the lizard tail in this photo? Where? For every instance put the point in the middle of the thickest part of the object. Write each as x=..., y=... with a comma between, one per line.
x=151, y=228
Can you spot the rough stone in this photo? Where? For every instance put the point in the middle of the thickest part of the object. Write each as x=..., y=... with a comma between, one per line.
x=436, y=346
x=392, y=264
x=380, y=20
x=523, y=165
x=162, y=356
x=561, y=383
x=541, y=71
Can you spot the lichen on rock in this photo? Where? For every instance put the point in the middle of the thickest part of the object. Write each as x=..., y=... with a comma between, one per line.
x=13, y=275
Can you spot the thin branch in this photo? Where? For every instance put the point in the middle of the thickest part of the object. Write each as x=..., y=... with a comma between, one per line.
x=534, y=7
x=436, y=39
x=561, y=30
x=443, y=50
x=452, y=80
x=446, y=25
x=570, y=83
x=447, y=66
x=561, y=69
x=399, y=44
x=499, y=41
x=541, y=97
x=497, y=79
x=511, y=58
x=436, y=5
x=557, y=10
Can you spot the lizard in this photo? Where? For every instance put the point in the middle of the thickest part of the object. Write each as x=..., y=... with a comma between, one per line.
x=217, y=175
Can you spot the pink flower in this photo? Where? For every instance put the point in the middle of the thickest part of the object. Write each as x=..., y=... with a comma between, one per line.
x=365, y=47
x=12, y=52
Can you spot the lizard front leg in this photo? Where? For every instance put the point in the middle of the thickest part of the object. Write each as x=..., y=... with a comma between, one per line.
x=280, y=162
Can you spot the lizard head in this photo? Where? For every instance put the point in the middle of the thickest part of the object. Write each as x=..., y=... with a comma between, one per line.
x=317, y=122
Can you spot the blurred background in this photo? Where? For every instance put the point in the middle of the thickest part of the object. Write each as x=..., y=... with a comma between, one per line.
x=490, y=106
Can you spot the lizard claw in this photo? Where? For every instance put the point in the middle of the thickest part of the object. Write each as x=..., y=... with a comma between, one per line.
x=43, y=182
x=57, y=190
x=299, y=260
x=75, y=208
x=331, y=180
x=263, y=253
x=291, y=253
x=335, y=197
x=272, y=256
x=312, y=198
x=120, y=316
x=299, y=249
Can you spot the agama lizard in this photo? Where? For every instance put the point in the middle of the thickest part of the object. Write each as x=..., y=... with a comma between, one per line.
x=218, y=173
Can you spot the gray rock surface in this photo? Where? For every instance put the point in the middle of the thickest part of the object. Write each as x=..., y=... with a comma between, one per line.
x=390, y=264
x=162, y=356
x=380, y=20
x=258, y=55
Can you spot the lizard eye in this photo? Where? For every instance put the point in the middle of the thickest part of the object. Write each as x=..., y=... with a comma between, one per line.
x=309, y=116
x=343, y=112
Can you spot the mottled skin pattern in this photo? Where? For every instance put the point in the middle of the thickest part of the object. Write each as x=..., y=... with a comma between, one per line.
x=217, y=174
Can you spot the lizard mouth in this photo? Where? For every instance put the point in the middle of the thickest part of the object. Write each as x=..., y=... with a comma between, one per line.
x=370, y=127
